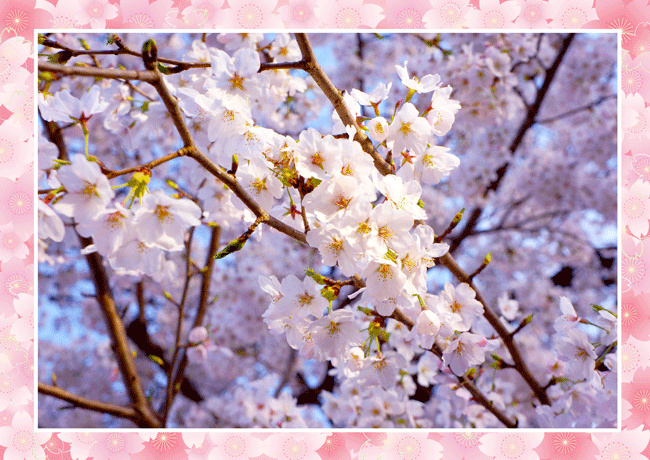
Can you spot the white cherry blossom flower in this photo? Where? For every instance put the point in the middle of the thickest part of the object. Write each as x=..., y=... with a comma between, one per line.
x=50, y=224
x=301, y=298
x=377, y=129
x=408, y=131
x=334, y=334
x=87, y=189
x=162, y=220
x=574, y=348
x=427, y=84
x=238, y=75
x=317, y=156
x=63, y=106
x=465, y=351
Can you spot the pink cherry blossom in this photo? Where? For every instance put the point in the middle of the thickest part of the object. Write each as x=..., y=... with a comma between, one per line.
x=299, y=14
x=637, y=393
x=635, y=272
x=398, y=446
x=635, y=207
x=511, y=446
x=626, y=442
x=567, y=446
x=116, y=446
x=12, y=162
x=13, y=54
x=12, y=244
x=635, y=320
x=463, y=445
x=61, y=16
x=573, y=14
x=140, y=14
x=633, y=356
x=20, y=440
x=56, y=449
x=619, y=15
x=95, y=13
x=352, y=14
x=405, y=15
x=493, y=15
x=206, y=12
x=23, y=328
x=18, y=16
x=295, y=445
x=448, y=15
x=234, y=446
x=168, y=445
x=255, y=14
x=17, y=202
x=534, y=14
x=79, y=442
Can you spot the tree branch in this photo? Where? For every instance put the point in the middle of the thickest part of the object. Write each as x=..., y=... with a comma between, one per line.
x=520, y=365
x=142, y=75
x=90, y=404
x=120, y=346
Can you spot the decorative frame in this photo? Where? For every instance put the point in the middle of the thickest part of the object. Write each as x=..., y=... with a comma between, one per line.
x=18, y=437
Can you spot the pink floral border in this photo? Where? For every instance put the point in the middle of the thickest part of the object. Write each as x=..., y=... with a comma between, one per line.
x=18, y=438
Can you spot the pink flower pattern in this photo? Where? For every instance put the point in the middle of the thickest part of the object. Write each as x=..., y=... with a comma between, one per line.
x=18, y=18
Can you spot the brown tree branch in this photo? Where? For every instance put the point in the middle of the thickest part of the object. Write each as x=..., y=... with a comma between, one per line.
x=146, y=417
x=519, y=364
x=90, y=404
x=142, y=75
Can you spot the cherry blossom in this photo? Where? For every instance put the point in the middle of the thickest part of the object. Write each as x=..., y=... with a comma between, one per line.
x=95, y=13
x=349, y=15
x=494, y=15
x=503, y=446
x=575, y=348
x=162, y=220
x=450, y=15
x=252, y=14
x=629, y=442
x=20, y=440
x=299, y=14
x=116, y=445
